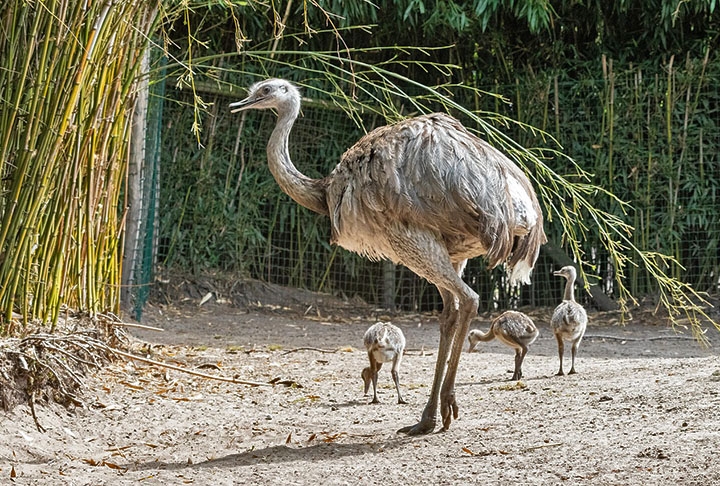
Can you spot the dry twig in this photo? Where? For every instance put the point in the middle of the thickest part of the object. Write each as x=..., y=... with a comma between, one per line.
x=319, y=350
x=623, y=338
x=188, y=371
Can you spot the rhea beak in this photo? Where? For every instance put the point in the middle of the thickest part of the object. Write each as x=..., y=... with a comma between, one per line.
x=242, y=105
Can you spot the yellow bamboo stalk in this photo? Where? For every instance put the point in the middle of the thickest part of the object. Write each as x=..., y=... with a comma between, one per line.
x=72, y=67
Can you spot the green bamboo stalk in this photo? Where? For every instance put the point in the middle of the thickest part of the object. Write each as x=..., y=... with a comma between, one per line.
x=637, y=214
x=19, y=90
x=611, y=125
x=557, y=105
x=670, y=162
x=518, y=109
x=59, y=221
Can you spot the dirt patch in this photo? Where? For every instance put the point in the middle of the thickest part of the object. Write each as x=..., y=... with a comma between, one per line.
x=641, y=410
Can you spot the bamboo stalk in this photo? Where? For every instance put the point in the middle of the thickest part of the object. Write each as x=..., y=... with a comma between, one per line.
x=59, y=223
x=557, y=106
x=611, y=125
x=670, y=161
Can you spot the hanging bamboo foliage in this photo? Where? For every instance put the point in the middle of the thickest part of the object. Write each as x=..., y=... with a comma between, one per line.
x=591, y=211
x=66, y=88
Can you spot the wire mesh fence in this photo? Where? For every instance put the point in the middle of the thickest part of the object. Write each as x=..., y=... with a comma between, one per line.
x=649, y=136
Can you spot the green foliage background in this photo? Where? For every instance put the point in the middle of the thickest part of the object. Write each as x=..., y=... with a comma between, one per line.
x=635, y=107
x=627, y=89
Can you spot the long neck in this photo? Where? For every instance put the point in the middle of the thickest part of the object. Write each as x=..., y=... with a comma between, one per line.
x=570, y=289
x=307, y=192
x=485, y=336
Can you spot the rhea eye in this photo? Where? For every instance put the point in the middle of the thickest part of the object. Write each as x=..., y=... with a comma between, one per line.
x=266, y=90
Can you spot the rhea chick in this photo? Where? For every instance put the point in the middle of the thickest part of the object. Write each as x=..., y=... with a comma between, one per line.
x=569, y=320
x=385, y=343
x=512, y=328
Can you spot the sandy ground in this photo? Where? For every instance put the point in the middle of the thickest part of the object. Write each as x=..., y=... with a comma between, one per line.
x=643, y=408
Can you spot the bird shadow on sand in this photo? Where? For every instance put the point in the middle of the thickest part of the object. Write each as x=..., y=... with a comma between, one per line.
x=281, y=454
x=387, y=400
x=504, y=382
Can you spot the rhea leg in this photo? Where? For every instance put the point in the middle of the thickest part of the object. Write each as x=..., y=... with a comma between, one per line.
x=519, y=357
x=429, y=416
x=561, y=351
x=375, y=369
x=573, y=350
x=370, y=375
x=396, y=377
x=459, y=306
x=467, y=309
x=367, y=378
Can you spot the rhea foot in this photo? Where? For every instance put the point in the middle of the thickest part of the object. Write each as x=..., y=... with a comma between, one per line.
x=425, y=426
x=448, y=410
x=420, y=428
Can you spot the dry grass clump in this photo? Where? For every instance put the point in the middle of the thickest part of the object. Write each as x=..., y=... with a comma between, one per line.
x=51, y=367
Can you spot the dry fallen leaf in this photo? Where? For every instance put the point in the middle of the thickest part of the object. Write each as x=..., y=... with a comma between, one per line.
x=290, y=383
x=212, y=366
x=207, y=297
x=333, y=437
x=131, y=385
x=118, y=449
x=518, y=385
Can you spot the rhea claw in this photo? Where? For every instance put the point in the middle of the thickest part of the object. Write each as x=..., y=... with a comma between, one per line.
x=421, y=428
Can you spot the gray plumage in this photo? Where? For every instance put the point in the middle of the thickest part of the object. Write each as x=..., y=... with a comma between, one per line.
x=385, y=343
x=424, y=193
x=513, y=329
x=569, y=319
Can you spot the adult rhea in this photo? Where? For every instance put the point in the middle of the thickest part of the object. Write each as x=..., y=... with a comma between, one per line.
x=424, y=193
